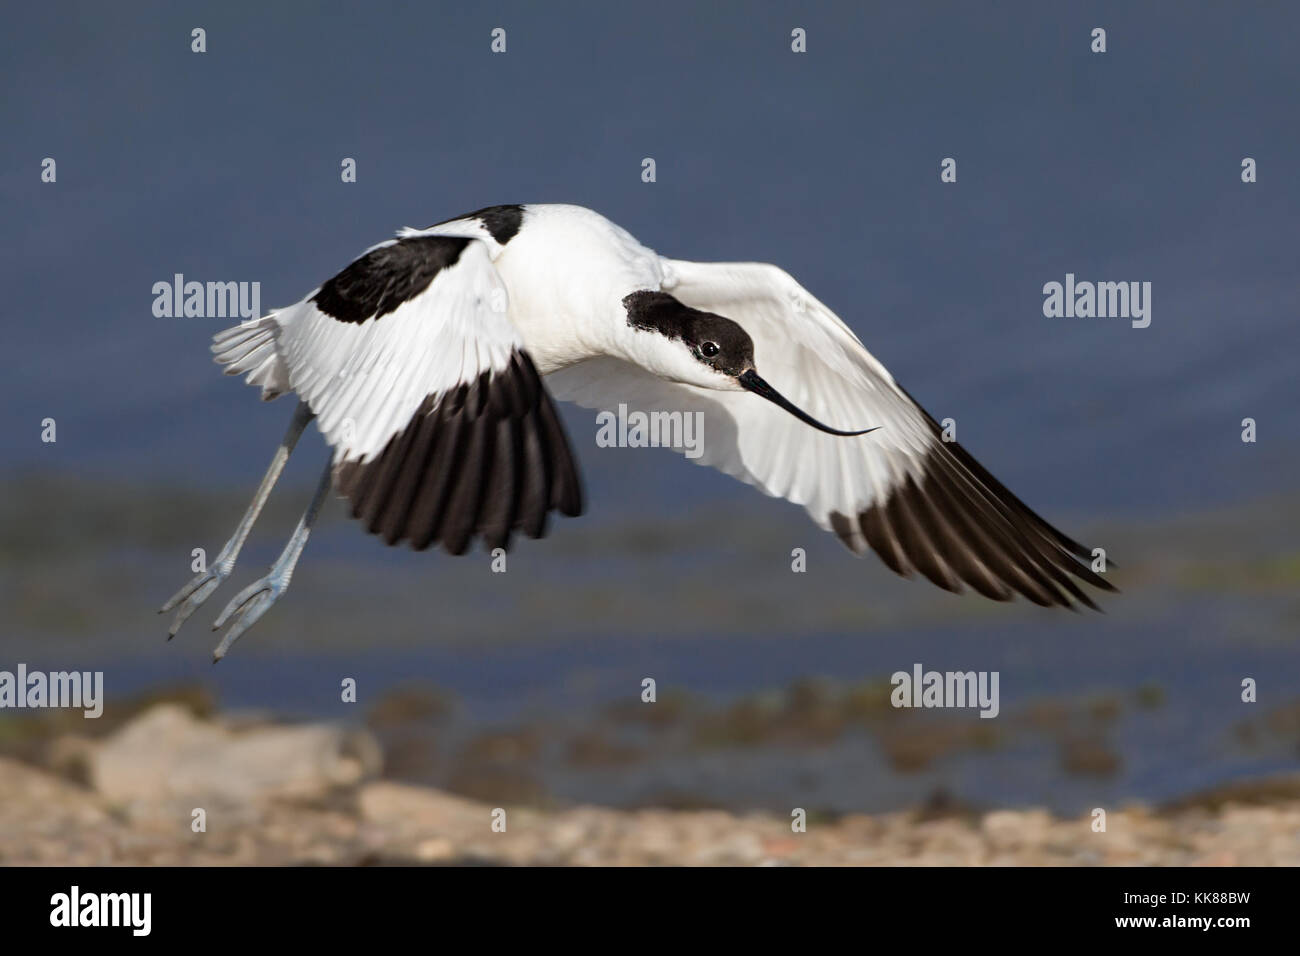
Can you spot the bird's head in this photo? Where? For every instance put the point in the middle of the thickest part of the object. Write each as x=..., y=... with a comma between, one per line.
x=687, y=345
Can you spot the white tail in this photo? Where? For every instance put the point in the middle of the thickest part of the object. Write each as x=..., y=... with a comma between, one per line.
x=251, y=347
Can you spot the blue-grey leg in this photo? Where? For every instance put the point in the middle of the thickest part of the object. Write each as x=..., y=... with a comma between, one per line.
x=252, y=602
x=200, y=588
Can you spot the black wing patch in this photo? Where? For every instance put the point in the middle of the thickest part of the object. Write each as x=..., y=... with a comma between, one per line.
x=384, y=278
x=486, y=458
x=960, y=524
x=501, y=222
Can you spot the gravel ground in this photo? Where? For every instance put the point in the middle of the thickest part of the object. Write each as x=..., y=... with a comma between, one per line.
x=308, y=795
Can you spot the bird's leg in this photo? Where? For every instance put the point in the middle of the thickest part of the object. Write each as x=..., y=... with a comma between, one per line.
x=204, y=583
x=252, y=602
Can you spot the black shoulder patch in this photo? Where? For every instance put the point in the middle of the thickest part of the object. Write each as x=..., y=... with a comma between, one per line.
x=487, y=458
x=384, y=278
x=502, y=222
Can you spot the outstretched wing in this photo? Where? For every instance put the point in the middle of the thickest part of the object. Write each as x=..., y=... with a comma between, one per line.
x=921, y=503
x=441, y=427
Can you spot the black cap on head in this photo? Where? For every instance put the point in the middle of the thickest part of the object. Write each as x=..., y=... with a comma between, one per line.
x=715, y=341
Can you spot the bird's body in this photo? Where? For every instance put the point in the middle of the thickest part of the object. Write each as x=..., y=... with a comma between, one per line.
x=572, y=262
x=429, y=364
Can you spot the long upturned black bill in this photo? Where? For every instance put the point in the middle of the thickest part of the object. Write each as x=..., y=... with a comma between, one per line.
x=752, y=381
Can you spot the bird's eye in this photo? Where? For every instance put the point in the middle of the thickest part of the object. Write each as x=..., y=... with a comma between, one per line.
x=709, y=349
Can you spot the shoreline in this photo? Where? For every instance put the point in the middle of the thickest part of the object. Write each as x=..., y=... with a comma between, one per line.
x=169, y=788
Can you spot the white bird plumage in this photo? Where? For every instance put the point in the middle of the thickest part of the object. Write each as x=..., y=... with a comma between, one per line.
x=420, y=363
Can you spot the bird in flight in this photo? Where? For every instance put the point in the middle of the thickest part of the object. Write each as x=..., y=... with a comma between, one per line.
x=430, y=365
